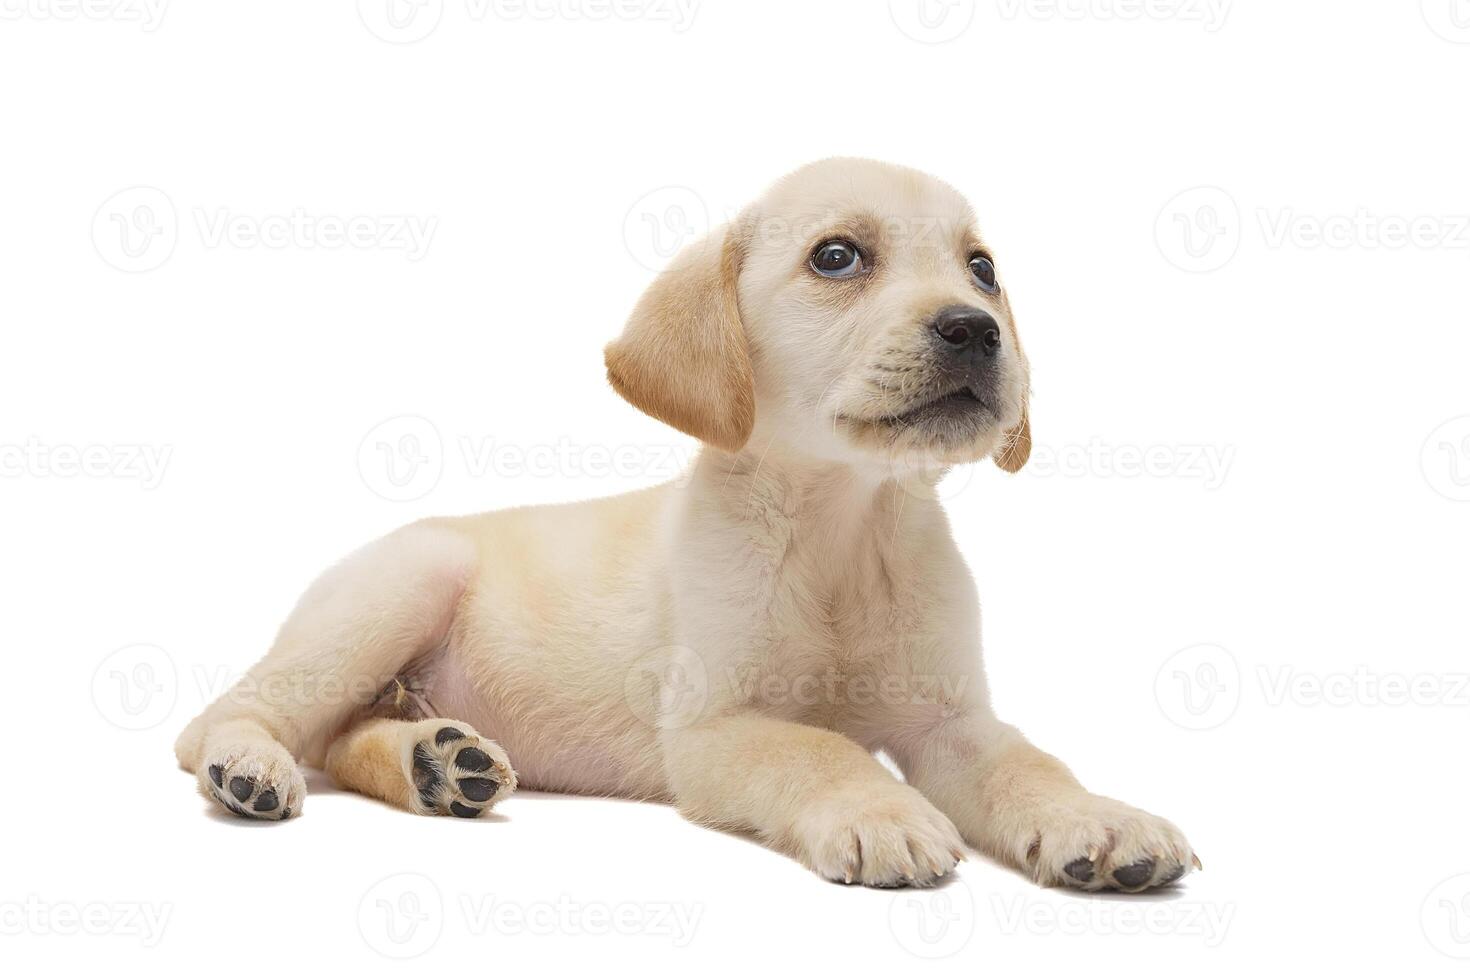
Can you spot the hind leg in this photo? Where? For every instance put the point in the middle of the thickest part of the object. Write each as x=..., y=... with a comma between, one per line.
x=434, y=766
x=353, y=630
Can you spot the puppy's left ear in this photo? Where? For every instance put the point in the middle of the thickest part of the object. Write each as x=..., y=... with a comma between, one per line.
x=683, y=356
x=1013, y=452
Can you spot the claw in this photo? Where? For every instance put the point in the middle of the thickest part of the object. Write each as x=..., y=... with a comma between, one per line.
x=1197, y=865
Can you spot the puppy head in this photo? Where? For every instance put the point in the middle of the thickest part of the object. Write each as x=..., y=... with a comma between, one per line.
x=853, y=314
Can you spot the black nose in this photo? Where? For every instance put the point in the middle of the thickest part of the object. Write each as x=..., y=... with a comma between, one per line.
x=965, y=326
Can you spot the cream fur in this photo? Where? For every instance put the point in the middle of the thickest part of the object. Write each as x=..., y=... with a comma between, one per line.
x=801, y=588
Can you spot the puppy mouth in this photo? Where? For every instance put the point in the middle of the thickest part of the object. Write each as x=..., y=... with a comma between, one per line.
x=958, y=415
x=954, y=404
x=957, y=405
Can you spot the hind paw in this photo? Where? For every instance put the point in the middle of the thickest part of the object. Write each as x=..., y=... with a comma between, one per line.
x=455, y=771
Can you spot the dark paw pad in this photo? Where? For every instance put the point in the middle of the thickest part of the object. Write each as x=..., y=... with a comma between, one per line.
x=478, y=790
x=428, y=776
x=445, y=771
x=1080, y=870
x=472, y=760
x=1136, y=874
x=1173, y=876
x=245, y=796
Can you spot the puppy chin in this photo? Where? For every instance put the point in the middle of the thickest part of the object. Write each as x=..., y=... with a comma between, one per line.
x=929, y=444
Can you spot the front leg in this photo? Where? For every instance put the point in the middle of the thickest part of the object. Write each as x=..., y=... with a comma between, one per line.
x=812, y=793
x=1025, y=808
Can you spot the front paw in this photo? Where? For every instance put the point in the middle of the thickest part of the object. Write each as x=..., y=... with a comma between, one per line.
x=882, y=836
x=1092, y=842
x=257, y=779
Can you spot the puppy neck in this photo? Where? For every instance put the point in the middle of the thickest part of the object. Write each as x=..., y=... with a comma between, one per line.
x=771, y=486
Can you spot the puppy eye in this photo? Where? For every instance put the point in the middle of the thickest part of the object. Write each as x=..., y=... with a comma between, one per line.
x=982, y=270
x=837, y=260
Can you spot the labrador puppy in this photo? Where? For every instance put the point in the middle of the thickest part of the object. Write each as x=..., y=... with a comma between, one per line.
x=743, y=641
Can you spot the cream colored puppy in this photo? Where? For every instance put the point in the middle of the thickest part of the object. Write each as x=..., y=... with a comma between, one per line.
x=740, y=643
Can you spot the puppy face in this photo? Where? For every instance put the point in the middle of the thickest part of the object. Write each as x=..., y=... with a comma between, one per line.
x=877, y=322
x=852, y=314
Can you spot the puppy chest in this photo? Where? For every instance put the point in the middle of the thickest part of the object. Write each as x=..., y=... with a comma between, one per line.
x=831, y=651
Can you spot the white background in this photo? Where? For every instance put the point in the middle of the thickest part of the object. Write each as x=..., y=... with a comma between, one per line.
x=192, y=425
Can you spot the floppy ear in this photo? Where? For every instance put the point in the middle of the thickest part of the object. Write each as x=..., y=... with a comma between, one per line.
x=1012, y=453
x=682, y=357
